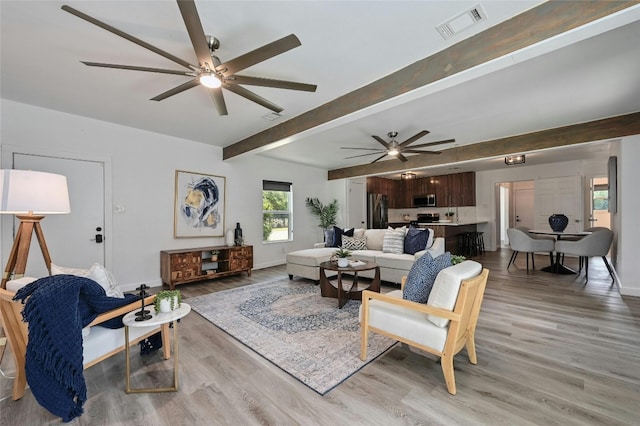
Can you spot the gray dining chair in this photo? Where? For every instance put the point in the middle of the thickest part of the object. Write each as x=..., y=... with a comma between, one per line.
x=521, y=241
x=595, y=244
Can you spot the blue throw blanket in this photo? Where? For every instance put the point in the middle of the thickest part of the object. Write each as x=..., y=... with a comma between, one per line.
x=57, y=308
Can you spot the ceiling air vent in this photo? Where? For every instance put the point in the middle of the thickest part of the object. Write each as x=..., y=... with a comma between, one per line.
x=461, y=22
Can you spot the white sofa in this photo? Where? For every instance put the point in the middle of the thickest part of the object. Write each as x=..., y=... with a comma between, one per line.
x=305, y=263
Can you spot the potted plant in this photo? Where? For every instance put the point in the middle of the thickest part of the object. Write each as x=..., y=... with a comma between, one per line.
x=449, y=214
x=167, y=300
x=214, y=255
x=342, y=254
x=325, y=214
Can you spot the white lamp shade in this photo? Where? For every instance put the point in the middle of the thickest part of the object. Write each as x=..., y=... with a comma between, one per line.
x=26, y=191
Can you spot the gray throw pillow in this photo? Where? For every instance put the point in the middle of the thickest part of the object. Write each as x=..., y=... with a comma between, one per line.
x=422, y=275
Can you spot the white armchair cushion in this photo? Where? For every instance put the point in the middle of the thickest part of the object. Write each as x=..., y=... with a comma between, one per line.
x=445, y=289
x=406, y=323
x=18, y=283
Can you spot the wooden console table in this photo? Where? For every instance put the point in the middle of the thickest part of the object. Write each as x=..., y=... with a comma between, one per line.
x=199, y=264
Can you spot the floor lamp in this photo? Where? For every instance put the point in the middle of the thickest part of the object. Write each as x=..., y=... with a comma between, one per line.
x=30, y=196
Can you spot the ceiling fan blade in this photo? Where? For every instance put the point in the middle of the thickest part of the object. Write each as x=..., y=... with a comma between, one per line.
x=364, y=149
x=258, y=55
x=127, y=37
x=424, y=145
x=379, y=158
x=414, y=138
x=401, y=157
x=239, y=90
x=269, y=82
x=379, y=139
x=185, y=86
x=364, y=155
x=415, y=151
x=196, y=33
x=136, y=68
x=218, y=100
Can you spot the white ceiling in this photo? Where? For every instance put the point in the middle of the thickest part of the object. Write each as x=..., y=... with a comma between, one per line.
x=584, y=75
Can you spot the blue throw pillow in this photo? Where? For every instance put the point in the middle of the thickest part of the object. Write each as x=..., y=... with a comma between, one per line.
x=422, y=275
x=415, y=240
x=338, y=233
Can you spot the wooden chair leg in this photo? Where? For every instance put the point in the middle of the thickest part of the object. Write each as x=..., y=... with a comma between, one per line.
x=446, y=361
x=513, y=258
x=586, y=269
x=551, y=258
x=527, y=253
x=533, y=261
x=363, y=344
x=471, y=349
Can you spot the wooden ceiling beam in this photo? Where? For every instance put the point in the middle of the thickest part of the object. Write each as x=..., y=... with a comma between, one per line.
x=607, y=128
x=540, y=23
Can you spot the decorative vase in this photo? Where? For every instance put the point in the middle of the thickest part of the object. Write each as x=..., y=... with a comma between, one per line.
x=237, y=235
x=343, y=262
x=328, y=237
x=558, y=222
x=230, y=238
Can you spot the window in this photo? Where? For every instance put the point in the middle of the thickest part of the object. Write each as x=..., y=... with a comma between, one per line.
x=600, y=197
x=276, y=211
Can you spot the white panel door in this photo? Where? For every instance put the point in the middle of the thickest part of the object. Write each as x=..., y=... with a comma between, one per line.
x=523, y=206
x=357, y=205
x=71, y=238
x=559, y=195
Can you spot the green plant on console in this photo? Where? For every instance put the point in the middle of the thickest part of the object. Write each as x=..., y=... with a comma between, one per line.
x=342, y=252
x=171, y=295
x=326, y=214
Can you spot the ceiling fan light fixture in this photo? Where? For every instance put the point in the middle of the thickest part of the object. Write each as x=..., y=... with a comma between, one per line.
x=393, y=152
x=407, y=176
x=510, y=160
x=210, y=80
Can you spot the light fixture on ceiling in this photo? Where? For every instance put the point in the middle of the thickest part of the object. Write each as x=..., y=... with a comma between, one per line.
x=407, y=176
x=510, y=160
x=210, y=80
x=393, y=149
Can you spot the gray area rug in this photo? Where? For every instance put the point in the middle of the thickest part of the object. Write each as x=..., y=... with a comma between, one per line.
x=291, y=325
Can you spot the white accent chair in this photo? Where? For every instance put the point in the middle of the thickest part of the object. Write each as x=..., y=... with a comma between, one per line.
x=442, y=326
x=521, y=241
x=596, y=244
x=99, y=343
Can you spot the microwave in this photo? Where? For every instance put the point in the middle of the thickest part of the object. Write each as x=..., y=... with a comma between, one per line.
x=428, y=200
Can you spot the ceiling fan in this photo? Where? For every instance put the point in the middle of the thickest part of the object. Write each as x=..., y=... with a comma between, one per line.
x=395, y=149
x=210, y=72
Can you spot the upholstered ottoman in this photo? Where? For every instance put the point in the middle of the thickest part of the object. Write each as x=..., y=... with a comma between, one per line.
x=306, y=263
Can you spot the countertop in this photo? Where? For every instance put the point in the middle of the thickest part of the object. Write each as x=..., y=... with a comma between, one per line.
x=454, y=223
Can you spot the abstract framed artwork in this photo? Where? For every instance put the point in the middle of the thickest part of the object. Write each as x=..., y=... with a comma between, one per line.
x=199, y=205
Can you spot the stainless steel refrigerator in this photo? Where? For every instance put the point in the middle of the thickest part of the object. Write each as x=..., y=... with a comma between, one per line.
x=377, y=205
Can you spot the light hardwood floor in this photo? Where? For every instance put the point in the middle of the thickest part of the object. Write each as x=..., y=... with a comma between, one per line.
x=551, y=351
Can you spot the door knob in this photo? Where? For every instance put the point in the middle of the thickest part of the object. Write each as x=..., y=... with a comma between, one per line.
x=98, y=239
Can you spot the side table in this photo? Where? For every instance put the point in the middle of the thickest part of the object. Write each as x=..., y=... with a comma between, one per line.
x=353, y=292
x=162, y=319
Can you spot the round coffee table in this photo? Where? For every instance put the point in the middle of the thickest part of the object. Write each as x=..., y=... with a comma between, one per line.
x=327, y=289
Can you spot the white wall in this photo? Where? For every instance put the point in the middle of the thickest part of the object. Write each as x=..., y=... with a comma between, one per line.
x=142, y=166
x=626, y=220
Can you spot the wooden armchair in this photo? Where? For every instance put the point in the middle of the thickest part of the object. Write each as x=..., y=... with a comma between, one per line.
x=431, y=327
x=99, y=344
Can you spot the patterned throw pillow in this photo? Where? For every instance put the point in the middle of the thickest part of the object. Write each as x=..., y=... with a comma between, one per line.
x=354, y=243
x=393, y=241
x=415, y=240
x=422, y=275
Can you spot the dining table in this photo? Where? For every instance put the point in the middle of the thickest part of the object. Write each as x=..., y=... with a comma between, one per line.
x=557, y=267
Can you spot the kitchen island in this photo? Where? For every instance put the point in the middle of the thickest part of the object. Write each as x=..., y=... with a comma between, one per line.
x=452, y=232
